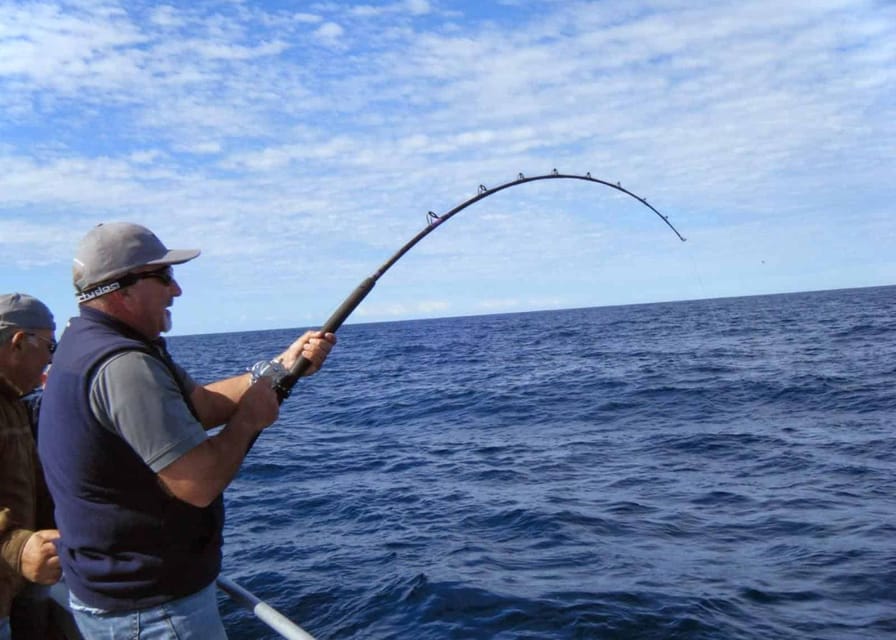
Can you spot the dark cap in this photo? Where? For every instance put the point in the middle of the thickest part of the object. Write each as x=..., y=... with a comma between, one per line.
x=113, y=249
x=24, y=311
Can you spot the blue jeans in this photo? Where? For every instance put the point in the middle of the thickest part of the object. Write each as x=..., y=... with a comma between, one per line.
x=5, y=633
x=193, y=617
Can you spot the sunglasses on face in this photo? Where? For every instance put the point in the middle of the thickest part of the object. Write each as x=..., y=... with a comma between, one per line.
x=165, y=275
x=50, y=342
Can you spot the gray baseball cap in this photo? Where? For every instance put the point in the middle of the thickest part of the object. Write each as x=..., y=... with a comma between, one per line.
x=114, y=249
x=24, y=311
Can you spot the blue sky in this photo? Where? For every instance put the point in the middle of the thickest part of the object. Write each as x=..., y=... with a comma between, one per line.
x=300, y=144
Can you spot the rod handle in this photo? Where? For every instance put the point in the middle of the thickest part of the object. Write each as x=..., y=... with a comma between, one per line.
x=300, y=368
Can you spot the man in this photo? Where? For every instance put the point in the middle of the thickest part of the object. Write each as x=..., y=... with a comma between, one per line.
x=136, y=480
x=27, y=536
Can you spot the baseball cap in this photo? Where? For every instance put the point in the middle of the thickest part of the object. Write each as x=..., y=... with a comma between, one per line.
x=24, y=311
x=114, y=249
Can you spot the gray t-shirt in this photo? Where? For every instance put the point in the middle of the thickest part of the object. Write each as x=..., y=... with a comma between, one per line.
x=134, y=395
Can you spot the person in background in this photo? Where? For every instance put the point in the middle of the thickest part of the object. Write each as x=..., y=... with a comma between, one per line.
x=136, y=480
x=28, y=553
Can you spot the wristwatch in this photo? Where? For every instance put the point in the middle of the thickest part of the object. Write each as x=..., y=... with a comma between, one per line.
x=271, y=369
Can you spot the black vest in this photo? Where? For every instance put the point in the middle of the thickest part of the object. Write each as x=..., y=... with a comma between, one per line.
x=126, y=543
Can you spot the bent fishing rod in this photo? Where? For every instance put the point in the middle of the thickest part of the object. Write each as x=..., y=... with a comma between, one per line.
x=284, y=386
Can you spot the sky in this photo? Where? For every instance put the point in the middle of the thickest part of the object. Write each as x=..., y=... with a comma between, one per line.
x=300, y=144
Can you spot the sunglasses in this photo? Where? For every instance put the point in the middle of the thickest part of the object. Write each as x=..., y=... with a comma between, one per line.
x=165, y=275
x=50, y=342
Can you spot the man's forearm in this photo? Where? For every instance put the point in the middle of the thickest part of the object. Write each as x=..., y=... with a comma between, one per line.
x=202, y=474
x=12, y=542
x=216, y=402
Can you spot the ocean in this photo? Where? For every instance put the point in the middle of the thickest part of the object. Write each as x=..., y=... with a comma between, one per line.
x=716, y=469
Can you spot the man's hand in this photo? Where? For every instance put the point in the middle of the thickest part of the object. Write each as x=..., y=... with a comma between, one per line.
x=40, y=563
x=312, y=345
x=257, y=409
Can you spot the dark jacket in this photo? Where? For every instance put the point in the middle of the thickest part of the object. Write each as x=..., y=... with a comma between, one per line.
x=25, y=505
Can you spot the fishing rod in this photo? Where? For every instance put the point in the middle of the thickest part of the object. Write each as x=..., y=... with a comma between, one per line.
x=284, y=386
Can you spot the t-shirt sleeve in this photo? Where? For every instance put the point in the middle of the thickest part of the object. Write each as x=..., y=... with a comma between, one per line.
x=134, y=395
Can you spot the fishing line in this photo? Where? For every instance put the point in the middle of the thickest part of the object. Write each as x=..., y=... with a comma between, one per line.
x=703, y=297
x=286, y=383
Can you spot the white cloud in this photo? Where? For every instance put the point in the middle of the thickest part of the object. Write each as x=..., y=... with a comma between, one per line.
x=307, y=18
x=166, y=16
x=418, y=7
x=329, y=33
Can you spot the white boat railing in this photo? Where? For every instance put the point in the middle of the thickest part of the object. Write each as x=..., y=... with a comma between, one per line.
x=263, y=611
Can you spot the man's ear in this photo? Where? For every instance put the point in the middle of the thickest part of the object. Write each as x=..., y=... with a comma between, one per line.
x=18, y=339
